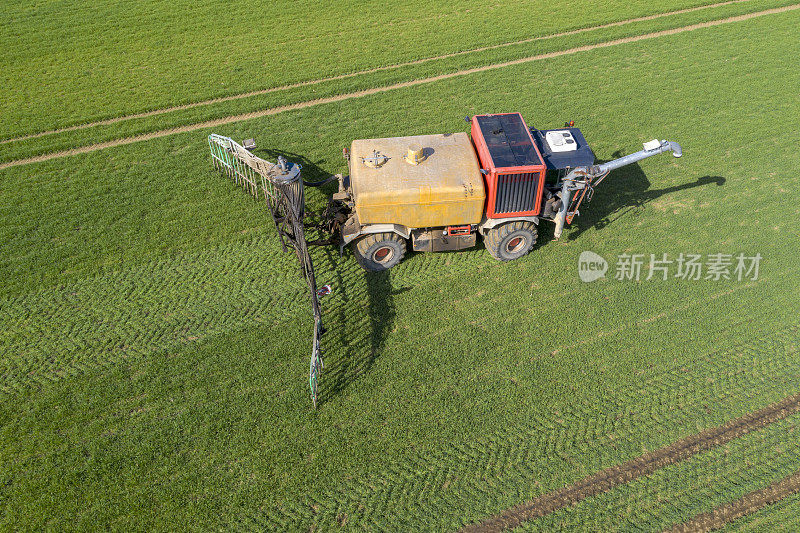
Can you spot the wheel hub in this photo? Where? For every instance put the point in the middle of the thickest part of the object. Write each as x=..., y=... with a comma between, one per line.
x=515, y=244
x=383, y=254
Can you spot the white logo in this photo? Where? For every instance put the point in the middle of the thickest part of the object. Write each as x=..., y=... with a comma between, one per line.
x=591, y=266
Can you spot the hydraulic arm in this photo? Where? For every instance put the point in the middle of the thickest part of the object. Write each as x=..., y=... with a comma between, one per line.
x=578, y=185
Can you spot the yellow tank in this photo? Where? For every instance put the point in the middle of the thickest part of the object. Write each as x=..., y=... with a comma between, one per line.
x=420, y=181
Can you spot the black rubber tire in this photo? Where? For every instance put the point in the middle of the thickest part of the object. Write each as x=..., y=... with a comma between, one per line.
x=370, y=249
x=511, y=240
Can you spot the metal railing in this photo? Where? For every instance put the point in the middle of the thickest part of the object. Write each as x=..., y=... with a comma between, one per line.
x=282, y=188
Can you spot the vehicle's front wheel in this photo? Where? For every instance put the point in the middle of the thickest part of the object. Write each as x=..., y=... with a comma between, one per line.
x=511, y=240
x=379, y=251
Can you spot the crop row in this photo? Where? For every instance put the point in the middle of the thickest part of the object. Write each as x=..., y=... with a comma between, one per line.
x=394, y=75
x=73, y=63
x=474, y=479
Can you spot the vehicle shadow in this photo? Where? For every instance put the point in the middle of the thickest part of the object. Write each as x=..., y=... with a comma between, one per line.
x=627, y=189
x=360, y=314
x=357, y=324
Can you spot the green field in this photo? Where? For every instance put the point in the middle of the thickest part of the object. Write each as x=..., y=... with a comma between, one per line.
x=153, y=372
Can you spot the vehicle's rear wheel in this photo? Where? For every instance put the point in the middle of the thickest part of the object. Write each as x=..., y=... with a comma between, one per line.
x=511, y=240
x=379, y=251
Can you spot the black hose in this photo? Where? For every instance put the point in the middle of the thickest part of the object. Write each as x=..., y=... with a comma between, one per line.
x=319, y=183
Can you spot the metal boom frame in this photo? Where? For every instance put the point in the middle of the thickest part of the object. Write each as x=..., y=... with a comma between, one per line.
x=282, y=188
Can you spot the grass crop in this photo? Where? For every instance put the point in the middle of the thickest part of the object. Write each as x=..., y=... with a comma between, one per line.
x=681, y=491
x=780, y=515
x=137, y=126
x=68, y=63
x=154, y=338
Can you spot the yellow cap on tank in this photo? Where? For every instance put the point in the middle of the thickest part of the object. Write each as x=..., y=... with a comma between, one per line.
x=415, y=154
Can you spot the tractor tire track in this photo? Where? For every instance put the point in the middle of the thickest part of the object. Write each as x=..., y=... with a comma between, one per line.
x=306, y=83
x=641, y=466
x=681, y=491
x=55, y=333
x=432, y=490
x=747, y=504
x=377, y=90
x=58, y=332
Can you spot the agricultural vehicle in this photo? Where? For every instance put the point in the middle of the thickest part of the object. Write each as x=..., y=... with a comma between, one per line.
x=432, y=192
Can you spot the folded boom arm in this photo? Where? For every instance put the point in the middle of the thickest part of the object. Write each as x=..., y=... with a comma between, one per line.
x=578, y=185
